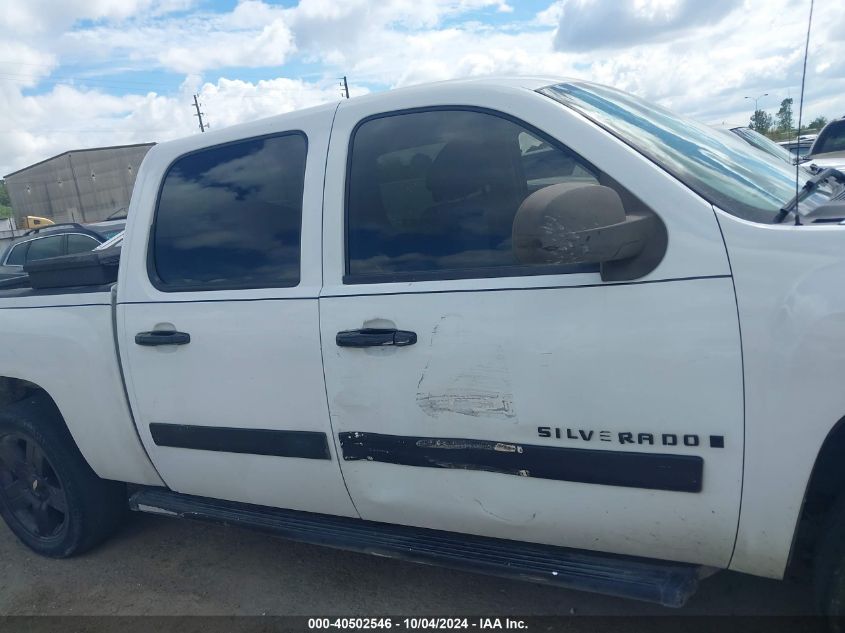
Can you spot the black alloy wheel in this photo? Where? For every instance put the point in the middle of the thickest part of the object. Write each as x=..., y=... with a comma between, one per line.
x=50, y=497
x=30, y=487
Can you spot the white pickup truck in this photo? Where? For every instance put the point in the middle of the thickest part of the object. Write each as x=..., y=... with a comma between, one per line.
x=529, y=327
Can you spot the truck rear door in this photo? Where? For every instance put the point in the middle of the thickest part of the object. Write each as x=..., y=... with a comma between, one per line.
x=217, y=317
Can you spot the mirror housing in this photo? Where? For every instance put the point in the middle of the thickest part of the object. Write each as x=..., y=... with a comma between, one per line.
x=582, y=223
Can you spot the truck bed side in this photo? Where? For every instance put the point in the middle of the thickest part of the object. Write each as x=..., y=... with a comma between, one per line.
x=63, y=342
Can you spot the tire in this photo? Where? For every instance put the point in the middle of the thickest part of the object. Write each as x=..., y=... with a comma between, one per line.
x=829, y=567
x=49, y=496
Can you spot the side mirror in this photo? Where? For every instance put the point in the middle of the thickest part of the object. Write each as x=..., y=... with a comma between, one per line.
x=583, y=223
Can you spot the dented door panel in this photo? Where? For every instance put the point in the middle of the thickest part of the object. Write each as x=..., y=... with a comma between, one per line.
x=555, y=408
x=568, y=416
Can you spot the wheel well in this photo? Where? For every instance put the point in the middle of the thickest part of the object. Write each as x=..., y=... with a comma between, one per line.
x=826, y=486
x=14, y=389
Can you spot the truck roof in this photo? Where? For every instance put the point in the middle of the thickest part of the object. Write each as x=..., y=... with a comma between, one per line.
x=449, y=91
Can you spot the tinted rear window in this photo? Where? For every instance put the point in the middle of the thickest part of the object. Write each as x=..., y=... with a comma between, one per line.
x=45, y=247
x=230, y=216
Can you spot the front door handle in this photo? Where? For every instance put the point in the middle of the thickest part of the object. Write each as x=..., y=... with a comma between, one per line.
x=375, y=337
x=162, y=337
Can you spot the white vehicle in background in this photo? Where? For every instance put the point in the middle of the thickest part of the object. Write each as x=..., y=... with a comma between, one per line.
x=763, y=143
x=799, y=147
x=828, y=149
x=529, y=327
x=114, y=241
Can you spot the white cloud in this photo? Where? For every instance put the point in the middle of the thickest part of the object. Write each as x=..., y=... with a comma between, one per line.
x=700, y=58
x=90, y=118
x=269, y=47
x=592, y=24
x=36, y=17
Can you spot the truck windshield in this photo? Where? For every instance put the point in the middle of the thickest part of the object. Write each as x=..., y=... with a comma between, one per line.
x=723, y=169
x=764, y=143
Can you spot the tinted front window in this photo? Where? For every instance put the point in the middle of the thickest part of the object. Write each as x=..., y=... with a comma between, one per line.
x=721, y=168
x=831, y=138
x=229, y=216
x=45, y=247
x=437, y=191
x=80, y=243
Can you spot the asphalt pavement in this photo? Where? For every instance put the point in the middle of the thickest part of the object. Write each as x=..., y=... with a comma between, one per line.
x=162, y=566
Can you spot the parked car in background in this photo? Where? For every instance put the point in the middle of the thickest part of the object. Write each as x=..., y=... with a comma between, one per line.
x=115, y=240
x=108, y=228
x=799, y=147
x=828, y=149
x=759, y=141
x=54, y=240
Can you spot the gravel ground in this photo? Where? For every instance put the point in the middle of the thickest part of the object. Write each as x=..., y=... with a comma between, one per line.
x=161, y=566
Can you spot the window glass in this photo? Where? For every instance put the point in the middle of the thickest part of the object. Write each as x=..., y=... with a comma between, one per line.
x=17, y=255
x=45, y=247
x=437, y=191
x=831, y=138
x=764, y=143
x=719, y=167
x=80, y=243
x=229, y=216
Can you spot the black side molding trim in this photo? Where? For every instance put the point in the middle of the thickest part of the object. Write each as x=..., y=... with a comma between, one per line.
x=655, y=471
x=305, y=444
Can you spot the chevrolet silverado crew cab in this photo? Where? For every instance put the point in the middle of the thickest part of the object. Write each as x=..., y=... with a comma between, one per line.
x=528, y=327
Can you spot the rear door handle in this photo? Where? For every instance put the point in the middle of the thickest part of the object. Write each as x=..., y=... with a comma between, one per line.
x=162, y=337
x=375, y=337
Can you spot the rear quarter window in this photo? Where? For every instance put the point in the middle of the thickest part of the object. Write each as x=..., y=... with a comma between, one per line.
x=17, y=256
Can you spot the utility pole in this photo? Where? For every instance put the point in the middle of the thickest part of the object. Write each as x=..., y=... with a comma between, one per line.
x=199, y=113
x=345, y=87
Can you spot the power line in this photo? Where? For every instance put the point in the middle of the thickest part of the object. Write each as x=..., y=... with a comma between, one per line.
x=199, y=113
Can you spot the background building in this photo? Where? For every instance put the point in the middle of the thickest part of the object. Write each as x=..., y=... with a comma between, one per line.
x=85, y=185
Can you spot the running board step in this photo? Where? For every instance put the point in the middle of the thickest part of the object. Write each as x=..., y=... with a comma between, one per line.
x=665, y=583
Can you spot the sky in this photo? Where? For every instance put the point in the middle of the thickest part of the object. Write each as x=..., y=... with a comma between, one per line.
x=88, y=73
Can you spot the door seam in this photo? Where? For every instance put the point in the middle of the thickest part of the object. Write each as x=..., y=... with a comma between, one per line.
x=335, y=442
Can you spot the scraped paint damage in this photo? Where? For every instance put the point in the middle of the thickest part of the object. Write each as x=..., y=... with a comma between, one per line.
x=481, y=390
x=656, y=471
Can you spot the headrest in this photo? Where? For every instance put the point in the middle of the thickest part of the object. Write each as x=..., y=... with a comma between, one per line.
x=461, y=168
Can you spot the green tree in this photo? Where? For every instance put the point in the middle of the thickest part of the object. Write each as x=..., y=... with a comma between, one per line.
x=761, y=121
x=5, y=202
x=818, y=123
x=784, y=116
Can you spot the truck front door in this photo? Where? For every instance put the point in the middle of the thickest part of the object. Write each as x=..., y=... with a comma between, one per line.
x=473, y=394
